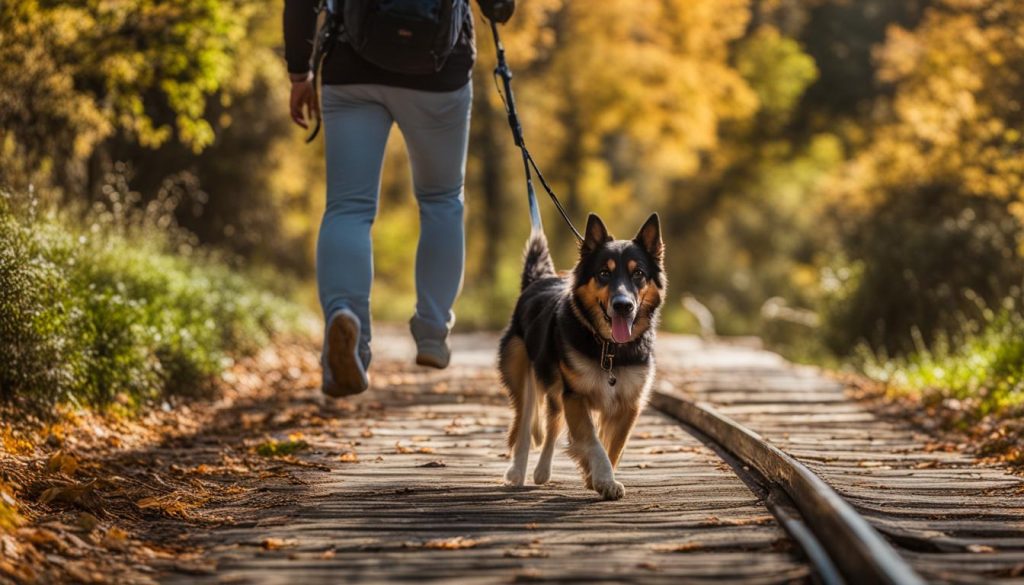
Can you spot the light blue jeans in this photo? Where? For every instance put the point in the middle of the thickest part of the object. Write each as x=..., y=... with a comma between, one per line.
x=357, y=120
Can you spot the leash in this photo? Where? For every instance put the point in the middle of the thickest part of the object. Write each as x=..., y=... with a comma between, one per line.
x=325, y=39
x=529, y=165
x=608, y=348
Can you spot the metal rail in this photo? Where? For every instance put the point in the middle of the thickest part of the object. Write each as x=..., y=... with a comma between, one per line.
x=854, y=549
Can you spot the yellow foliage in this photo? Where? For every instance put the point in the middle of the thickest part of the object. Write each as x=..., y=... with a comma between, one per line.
x=956, y=111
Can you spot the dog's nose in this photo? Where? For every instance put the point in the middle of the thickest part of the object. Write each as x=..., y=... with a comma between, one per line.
x=623, y=305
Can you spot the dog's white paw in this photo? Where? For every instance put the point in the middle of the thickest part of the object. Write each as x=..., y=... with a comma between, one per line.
x=541, y=474
x=515, y=476
x=609, y=488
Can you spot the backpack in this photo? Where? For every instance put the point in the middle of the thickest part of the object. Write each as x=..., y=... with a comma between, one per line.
x=413, y=37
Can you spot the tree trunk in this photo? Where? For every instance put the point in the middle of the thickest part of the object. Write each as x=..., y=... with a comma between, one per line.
x=489, y=136
x=571, y=168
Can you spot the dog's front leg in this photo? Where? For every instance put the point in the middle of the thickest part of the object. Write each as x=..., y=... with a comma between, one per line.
x=587, y=450
x=615, y=430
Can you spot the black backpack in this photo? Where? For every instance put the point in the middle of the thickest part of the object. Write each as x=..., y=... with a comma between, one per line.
x=414, y=37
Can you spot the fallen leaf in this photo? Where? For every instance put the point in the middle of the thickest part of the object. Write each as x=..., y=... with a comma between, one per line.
x=62, y=462
x=81, y=495
x=115, y=538
x=454, y=543
x=435, y=463
x=278, y=543
x=648, y=566
x=980, y=548
x=176, y=504
x=87, y=522
x=349, y=457
x=679, y=548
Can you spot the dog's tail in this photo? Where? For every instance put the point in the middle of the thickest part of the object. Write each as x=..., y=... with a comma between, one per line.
x=537, y=263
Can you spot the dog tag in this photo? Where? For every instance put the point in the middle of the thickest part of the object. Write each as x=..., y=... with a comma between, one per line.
x=612, y=379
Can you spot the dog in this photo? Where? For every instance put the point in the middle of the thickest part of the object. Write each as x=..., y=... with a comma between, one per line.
x=582, y=343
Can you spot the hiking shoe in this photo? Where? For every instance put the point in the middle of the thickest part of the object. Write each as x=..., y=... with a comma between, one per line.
x=344, y=372
x=436, y=354
x=432, y=347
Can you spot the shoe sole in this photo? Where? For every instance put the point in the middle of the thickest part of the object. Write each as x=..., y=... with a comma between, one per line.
x=343, y=359
x=430, y=361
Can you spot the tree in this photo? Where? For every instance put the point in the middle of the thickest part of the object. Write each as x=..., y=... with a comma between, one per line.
x=934, y=205
x=76, y=73
x=631, y=95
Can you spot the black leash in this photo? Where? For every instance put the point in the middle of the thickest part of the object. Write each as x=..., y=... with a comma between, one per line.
x=508, y=98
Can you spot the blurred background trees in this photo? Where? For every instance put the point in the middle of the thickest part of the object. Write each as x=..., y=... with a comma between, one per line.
x=860, y=159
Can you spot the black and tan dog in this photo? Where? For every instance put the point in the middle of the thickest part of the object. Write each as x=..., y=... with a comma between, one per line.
x=583, y=344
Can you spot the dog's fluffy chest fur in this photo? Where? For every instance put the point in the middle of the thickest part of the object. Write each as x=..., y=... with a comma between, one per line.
x=632, y=382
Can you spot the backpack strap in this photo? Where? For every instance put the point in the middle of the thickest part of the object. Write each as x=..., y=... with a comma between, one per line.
x=324, y=42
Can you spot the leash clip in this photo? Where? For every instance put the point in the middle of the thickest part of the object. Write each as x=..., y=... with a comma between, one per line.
x=608, y=362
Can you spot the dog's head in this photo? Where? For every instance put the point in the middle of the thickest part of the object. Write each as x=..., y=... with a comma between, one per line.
x=618, y=284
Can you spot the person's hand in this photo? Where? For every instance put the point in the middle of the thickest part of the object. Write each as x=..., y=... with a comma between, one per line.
x=498, y=10
x=303, y=104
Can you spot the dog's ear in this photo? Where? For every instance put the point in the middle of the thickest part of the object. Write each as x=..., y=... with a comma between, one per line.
x=649, y=238
x=595, y=236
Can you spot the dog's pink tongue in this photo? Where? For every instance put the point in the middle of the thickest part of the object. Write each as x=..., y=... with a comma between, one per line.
x=622, y=329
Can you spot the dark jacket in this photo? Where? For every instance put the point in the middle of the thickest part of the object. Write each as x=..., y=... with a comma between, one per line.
x=344, y=66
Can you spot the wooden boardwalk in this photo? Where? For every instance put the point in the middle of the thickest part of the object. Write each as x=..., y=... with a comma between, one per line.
x=955, y=520
x=425, y=502
x=408, y=487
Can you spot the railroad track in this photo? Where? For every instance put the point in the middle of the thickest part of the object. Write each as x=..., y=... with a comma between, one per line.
x=839, y=543
x=707, y=501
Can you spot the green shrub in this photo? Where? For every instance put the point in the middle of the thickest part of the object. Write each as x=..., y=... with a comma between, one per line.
x=90, y=315
x=982, y=370
x=917, y=266
x=37, y=338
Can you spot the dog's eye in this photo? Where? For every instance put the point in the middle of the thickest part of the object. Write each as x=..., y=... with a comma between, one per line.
x=638, y=275
x=604, y=275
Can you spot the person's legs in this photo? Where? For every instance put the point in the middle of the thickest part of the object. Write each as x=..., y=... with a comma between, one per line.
x=436, y=130
x=356, y=128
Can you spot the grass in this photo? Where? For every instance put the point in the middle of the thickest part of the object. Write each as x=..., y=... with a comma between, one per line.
x=274, y=448
x=982, y=374
x=118, y=308
x=973, y=384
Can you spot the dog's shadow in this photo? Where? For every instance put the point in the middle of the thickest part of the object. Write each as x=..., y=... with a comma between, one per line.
x=448, y=507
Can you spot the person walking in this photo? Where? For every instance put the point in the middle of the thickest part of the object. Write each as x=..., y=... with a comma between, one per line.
x=394, y=64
